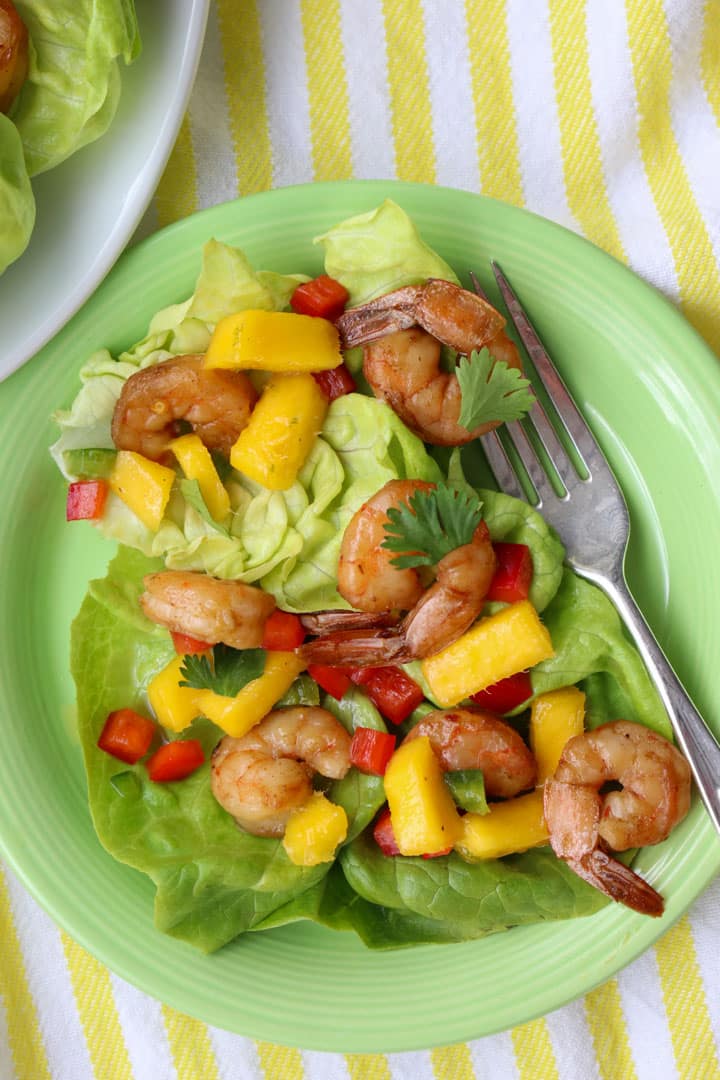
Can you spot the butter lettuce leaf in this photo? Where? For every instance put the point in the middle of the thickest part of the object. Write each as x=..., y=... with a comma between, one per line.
x=376, y=252
x=213, y=881
x=17, y=202
x=73, y=86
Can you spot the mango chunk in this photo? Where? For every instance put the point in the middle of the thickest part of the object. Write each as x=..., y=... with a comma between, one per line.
x=143, y=485
x=283, y=427
x=423, y=814
x=274, y=341
x=314, y=831
x=175, y=706
x=195, y=461
x=495, y=647
x=555, y=717
x=236, y=715
x=509, y=827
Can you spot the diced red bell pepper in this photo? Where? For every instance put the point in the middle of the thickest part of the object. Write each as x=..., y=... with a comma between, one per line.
x=283, y=632
x=184, y=644
x=323, y=296
x=370, y=750
x=384, y=835
x=175, y=760
x=127, y=735
x=506, y=695
x=335, y=382
x=332, y=680
x=86, y=500
x=393, y=693
x=513, y=577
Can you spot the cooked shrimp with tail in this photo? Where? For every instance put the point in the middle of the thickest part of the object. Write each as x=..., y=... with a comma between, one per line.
x=586, y=824
x=437, y=613
x=403, y=333
x=462, y=739
x=207, y=608
x=262, y=777
x=215, y=402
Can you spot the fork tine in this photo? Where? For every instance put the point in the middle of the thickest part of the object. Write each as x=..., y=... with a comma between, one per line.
x=501, y=466
x=548, y=374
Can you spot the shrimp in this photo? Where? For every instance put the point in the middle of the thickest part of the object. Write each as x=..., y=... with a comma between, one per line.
x=462, y=739
x=403, y=334
x=207, y=608
x=13, y=54
x=369, y=581
x=585, y=824
x=216, y=403
x=263, y=776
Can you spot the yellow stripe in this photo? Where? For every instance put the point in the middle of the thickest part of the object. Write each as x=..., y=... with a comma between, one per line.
x=697, y=272
x=97, y=1012
x=534, y=1055
x=279, y=1062
x=26, y=1044
x=603, y=1010
x=176, y=194
x=710, y=57
x=579, y=140
x=497, y=139
x=686, y=1005
x=368, y=1067
x=190, y=1046
x=409, y=90
x=452, y=1063
x=327, y=89
x=245, y=90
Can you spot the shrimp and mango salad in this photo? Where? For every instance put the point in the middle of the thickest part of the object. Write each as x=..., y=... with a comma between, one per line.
x=332, y=673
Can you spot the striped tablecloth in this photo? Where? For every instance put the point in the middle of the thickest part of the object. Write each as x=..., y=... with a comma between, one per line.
x=601, y=115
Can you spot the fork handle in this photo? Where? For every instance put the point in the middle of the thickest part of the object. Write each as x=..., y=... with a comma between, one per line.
x=695, y=738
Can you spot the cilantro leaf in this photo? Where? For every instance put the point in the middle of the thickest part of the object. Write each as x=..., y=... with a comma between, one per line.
x=430, y=525
x=491, y=391
x=230, y=670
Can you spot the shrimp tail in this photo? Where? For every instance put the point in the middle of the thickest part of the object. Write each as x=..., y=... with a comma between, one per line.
x=385, y=315
x=349, y=648
x=324, y=622
x=618, y=882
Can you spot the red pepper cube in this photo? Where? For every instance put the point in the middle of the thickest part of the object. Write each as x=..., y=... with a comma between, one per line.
x=332, y=680
x=370, y=750
x=186, y=645
x=127, y=735
x=384, y=835
x=335, y=382
x=393, y=693
x=323, y=297
x=283, y=632
x=505, y=695
x=86, y=500
x=436, y=854
x=175, y=760
x=512, y=580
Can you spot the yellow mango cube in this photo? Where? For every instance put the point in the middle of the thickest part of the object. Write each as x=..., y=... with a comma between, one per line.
x=195, y=461
x=283, y=427
x=424, y=817
x=236, y=715
x=555, y=717
x=175, y=706
x=274, y=341
x=143, y=485
x=510, y=827
x=495, y=647
x=314, y=831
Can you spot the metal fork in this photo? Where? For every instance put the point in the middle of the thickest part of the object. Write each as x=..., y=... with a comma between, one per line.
x=591, y=519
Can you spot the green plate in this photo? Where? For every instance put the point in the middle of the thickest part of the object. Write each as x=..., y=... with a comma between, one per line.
x=651, y=390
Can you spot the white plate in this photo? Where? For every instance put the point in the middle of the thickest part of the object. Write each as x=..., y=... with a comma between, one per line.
x=89, y=207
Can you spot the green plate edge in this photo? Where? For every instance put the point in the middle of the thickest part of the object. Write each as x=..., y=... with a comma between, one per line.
x=651, y=389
